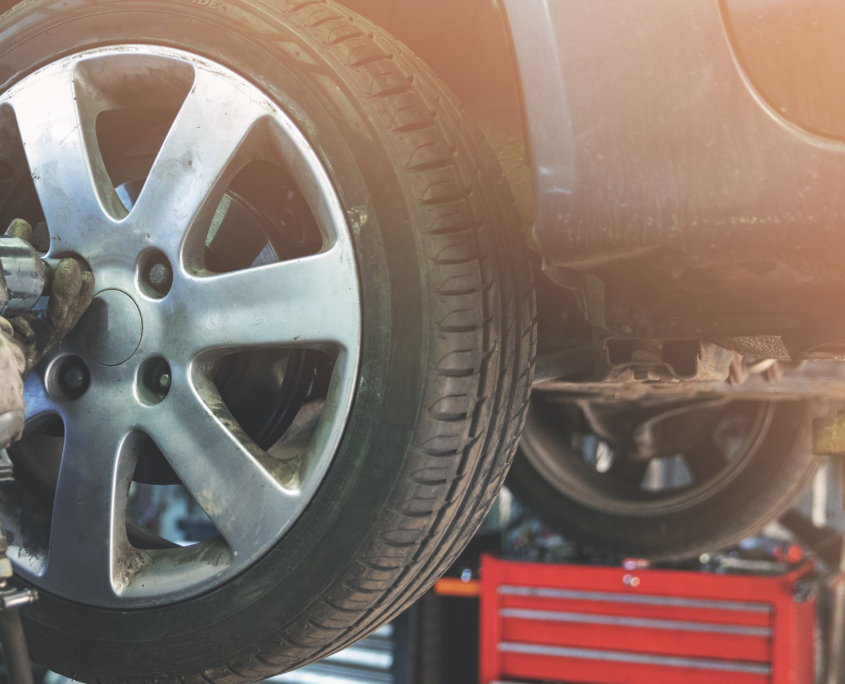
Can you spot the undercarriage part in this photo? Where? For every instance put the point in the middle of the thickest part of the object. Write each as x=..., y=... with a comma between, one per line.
x=573, y=362
x=660, y=371
x=829, y=435
x=808, y=380
x=619, y=305
x=829, y=438
x=631, y=360
x=759, y=347
x=664, y=360
x=577, y=359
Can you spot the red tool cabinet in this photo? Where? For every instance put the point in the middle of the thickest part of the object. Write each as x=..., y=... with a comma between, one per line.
x=571, y=623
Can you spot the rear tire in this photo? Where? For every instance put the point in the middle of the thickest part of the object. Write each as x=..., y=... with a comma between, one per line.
x=777, y=470
x=447, y=345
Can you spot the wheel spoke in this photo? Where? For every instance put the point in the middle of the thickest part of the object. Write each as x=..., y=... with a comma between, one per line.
x=308, y=300
x=705, y=460
x=88, y=550
x=221, y=467
x=196, y=162
x=57, y=122
x=38, y=402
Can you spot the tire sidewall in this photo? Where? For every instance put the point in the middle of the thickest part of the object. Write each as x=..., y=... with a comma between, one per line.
x=323, y=542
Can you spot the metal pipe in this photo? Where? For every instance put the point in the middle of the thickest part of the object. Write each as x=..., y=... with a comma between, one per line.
x=836, y=654
x=15, y=651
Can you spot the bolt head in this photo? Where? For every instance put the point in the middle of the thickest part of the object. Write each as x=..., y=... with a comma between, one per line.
x=74, y=377
x=164, y=380
x=159, y=275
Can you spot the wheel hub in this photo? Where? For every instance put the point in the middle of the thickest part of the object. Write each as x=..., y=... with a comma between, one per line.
x=111, y=328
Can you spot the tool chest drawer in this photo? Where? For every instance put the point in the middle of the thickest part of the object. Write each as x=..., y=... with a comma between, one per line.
x=607, y=625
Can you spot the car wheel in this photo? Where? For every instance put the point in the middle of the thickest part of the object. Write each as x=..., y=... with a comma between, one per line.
x=314, y=311
x=666, y=482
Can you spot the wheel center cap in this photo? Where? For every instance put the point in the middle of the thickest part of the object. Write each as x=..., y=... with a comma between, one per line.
x=111, y=328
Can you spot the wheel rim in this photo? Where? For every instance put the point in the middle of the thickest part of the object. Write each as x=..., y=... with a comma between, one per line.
x=569, y=459
x=252, y=497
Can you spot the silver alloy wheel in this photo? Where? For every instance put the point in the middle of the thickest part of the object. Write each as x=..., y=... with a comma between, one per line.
x=557, y=454
x=223, y=123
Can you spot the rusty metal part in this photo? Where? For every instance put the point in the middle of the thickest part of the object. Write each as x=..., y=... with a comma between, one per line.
x=615, y=360
x=829, y=435
x=807, y=380
x=663, y=360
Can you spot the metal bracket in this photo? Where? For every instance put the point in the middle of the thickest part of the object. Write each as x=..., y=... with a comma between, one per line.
x=829, y=435
x=829, y=439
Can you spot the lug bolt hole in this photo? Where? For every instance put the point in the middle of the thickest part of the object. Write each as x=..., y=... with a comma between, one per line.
x=155, y=274
x=70, y=379
x=154, y=380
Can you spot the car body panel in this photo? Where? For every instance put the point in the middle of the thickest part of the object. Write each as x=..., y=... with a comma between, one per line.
x=794, y=54
x=659, y=165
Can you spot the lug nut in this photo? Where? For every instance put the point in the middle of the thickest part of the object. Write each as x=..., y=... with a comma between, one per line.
x=159, y=276
x=155, y=273
x=155, y=378
x=73, y=377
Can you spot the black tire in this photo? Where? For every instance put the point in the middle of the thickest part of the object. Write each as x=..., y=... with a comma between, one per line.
x=448, y=341
x=778, y=470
